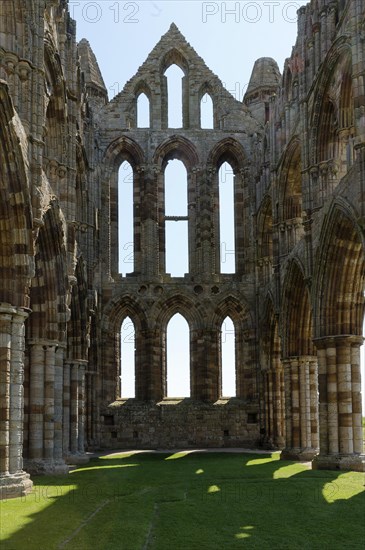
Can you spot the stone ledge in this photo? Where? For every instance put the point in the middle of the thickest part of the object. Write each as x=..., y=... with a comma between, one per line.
x=15, y=485
x=46, y=467
x=353, y=462
x=301, y=455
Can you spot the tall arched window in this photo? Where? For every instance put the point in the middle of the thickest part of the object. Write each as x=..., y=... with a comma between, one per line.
x=227, y=219
x=228, y=358
x=143, y=111
x=206, y=112
x=127, y=360
x=125, y=219
x=178, y=357
x=176, y=219
x=174, y=77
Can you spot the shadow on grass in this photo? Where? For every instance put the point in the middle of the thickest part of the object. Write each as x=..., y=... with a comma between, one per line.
x=196, y=501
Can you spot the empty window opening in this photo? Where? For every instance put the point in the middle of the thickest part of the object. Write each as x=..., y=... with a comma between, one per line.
x=228, y=358
x=127, y=359
x=125, y=219
x=176, y=220
x=226, y=219
x=178, y=357
x=206, y=112
x=174, y=77
x=143, y=111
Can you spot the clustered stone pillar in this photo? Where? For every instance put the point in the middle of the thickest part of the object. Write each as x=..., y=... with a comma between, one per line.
x=74, y=412
x=13, y=480
x=45, y=446
x=301, y=410
x=340, y=416
x=273, y=384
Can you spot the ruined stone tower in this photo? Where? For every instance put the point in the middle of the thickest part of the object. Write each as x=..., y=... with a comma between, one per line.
x=296, y=147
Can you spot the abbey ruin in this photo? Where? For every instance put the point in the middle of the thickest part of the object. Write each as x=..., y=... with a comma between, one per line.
x=296, y=145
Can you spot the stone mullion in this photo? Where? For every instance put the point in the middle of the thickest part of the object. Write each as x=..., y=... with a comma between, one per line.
x=240, y=360
x=239, y=210
x=246, y=361
x=141, y=376
x=5, y=358
x=74, y=408
x=66, y=398
x=111, y=225
x=192, y=220
x=206, y=220
x=153, y=364
x=214, y=362
x=36, y=401
x=212, y=240
x=149, y=223
x=138, y=176
x=49, y=381
x=160, y=257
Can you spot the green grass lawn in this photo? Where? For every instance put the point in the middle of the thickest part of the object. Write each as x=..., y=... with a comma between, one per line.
x=188, y=501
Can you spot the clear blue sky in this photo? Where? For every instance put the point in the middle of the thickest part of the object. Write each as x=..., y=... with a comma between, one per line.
x=229, y=36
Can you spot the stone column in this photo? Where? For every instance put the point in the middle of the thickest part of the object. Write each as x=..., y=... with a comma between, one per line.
x=81, y=411
x=265, y=406
x=49, y=381
x=77, y=413
x=58, y=405
x=66, y=397
x=340, y=404
x=74, y=409
x=45, y=408
x=300, y=408
x=14, y=481
x=36, y=401
x=278, y=404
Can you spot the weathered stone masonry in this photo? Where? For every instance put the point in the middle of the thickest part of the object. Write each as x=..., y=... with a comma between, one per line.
x=296, y=145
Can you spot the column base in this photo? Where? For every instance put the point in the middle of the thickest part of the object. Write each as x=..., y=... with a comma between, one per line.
x=353, y=462
x=15, y=485
x=38, y=466
x=77, y=459
x=279, y=442
x=301, y=455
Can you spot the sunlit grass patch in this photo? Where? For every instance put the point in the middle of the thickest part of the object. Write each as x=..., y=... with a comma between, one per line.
x=136, y=501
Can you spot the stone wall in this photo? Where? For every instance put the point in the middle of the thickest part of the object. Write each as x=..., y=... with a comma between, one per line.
x=177, y=423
